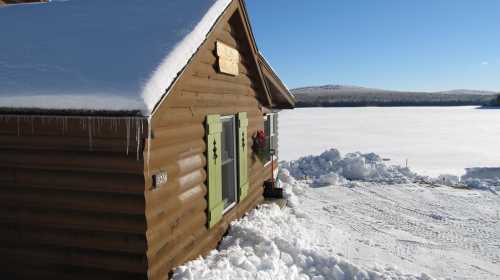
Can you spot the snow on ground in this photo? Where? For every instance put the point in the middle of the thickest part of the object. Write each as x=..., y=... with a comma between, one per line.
x=367, y=231
x=365, y=221
x=444, y=232
x=331, y=168
x=482, y=178
x=435, y=140
x=271, y=243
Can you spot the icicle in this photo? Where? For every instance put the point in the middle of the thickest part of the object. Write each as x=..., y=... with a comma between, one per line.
x=128, y=133
x=98, y=125
x=65, y=128
x=18, y=126
x=32, y=126
x=61, y=120
x=137, y=137
x=148, y=153
x=90, y=132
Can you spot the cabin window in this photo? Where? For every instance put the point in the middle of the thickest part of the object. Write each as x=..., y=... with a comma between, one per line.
x=229, y=162
x=271, y=129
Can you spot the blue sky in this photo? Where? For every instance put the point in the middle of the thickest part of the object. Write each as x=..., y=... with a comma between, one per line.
x=392, y=44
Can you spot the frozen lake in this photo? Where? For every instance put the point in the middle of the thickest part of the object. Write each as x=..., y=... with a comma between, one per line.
x=434, y=140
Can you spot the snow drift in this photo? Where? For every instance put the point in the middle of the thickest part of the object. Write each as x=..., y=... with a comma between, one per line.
x=331, y=168
x=482, y=178
x=270, y=243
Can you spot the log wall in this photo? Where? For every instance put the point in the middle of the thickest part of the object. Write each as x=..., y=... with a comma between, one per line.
x=176, y=212
x=72, y=197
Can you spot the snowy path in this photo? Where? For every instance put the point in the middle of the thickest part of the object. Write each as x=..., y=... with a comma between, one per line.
x=443, y=232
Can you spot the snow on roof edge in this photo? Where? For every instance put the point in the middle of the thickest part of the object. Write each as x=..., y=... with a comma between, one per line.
x=264, y=59
x=169, y=70
x=270, y=66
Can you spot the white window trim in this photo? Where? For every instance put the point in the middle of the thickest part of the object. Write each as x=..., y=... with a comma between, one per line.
x=229, y=208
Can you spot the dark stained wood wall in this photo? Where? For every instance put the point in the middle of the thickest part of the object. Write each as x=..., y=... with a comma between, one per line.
x=72, y=197
x=176, y=212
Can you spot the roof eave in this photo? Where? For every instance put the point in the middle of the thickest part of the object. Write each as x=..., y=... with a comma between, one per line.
x=283, y=90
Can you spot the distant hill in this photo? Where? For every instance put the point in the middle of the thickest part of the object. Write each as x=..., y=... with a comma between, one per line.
x=353, y=96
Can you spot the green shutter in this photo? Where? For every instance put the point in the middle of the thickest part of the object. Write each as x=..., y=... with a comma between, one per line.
x=214, y=170
x=243, y=155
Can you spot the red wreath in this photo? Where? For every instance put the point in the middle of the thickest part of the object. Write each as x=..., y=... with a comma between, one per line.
x=261, y=139
x=260, y=146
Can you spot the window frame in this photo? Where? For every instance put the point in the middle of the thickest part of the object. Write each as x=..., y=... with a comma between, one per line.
x=235, y=162
x=272, y=135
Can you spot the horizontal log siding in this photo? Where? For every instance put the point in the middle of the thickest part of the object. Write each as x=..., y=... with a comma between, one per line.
x=72, y=197
x=176, y=212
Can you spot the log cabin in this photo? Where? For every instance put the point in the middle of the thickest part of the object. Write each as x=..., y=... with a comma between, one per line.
x=128, y=134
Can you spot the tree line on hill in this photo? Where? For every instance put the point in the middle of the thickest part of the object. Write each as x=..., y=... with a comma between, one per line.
x=349, y=96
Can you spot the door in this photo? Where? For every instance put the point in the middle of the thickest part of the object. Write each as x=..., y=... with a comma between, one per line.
x=229, y=162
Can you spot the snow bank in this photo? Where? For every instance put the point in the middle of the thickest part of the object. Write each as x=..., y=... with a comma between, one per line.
x=482, y=178
x=448, y=180
x=270, y=243
x=330, y=168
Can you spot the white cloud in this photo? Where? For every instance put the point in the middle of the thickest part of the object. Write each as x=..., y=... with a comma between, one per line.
x=485, y=63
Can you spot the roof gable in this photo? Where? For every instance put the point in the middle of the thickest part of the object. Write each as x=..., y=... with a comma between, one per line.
x=279, y=92
x=99, y=55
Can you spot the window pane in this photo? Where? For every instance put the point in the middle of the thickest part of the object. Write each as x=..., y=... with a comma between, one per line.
x=267, y=129
x=228, y=137
x=275, y=134
x=275, y=123
x=228, y=153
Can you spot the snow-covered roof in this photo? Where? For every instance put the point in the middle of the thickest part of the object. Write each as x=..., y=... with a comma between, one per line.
x=99, y=55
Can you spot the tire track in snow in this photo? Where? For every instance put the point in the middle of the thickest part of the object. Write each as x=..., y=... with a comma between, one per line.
x=446, y=222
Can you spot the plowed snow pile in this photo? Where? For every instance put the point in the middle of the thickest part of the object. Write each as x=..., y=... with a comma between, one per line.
x=353, y=217
x=330, y=168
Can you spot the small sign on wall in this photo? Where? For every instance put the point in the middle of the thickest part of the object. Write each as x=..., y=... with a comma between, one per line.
x=160, y=179
x=229, y=59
